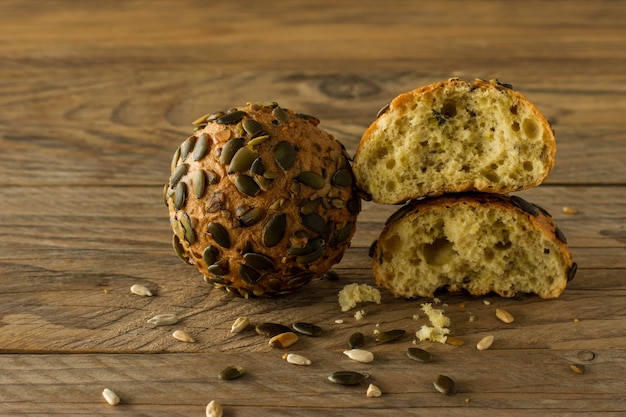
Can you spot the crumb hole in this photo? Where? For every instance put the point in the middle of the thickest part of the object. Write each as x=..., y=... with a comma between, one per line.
x=528, y=165
x=390, y=163
x=513, y=109
x=390, y=186
x=439, y=252
x=530, y=128
x=449, y=108
x=515, y=127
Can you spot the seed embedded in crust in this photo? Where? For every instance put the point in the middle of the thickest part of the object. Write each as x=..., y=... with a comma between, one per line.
x=274, y=230
x=142, y=290
x=280, y=114
x=485, y=343
x=444, y=384
x=258, y=261
x=178, y=174
x=231, y=117
x=285, y=155
x=247, y=185
x=199, y=183
x=311, y=179
x=202, y=146
x=525, y=205
x=242, y=160
x=210, y=255
x=249, y=274
x=252, y=127
x=283, y=340
x=229, y=150
x=110, y=397
x=214, y=409
x=504, y=315
x=219, y=234
x=183, y=336
x=342, y=178
x=187, y=147
x=180, y=195
x=359, y=355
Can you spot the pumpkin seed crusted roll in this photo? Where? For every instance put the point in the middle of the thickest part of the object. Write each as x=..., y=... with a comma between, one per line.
x=477, y=242
x=454, y=136
x=261, y=200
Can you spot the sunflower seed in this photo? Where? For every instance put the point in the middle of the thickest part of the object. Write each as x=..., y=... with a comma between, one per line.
x=285, y=155
x=231, y=372
x=418, y=354
x=308, y=329
x=142, y=290
x=229, y=150
x=359, y=355
x=240, y=324
x=579, y=369
x=231, y=117
x=444, y=384
x=110, y=397
x=373, y=391
x=210, y=255
x=199, y=183
x=390, y=335
x=179, y=249
x=271, y=329
x=214, y=409
x=280, y=114
x=247, y=185
x=525, y=205
x=572, y=271
x=454, y=341
x=356, y=340
x=163, y=319
x=257, y=167
x=219, y=234
x=252, y=127
x=187, y=147
x=180, y=195
x=311, y=179
x=183, y=336
x=347, y=377
x=274, y=230
x=504, y=315
x=296, y=359
x=342, y=178
x=258, y=260
x=178, y=174
x=283, y=340
x=242, y=160
x=485, y=343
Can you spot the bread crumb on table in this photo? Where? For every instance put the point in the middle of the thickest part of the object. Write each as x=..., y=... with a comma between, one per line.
x=353, y=294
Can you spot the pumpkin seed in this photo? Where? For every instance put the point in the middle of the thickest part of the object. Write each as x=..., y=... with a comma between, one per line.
x=356, y=340
x=201, y=120
x=311, y=246
x=382, y=110
x=330, y=276
x=373, y=391
x=183, y=336
x=247, y=185
x=418, y=354
x=242, y=160
x=231, y=117
x=283, y=340
x=210, y=255
x=142, y=290
x=390, y=335
x=311, y=179
x=110, y=397
x=347, y=377
x=187, y=147
x=201, y=148
x=344, y=233
x=179, y=249
x=315, y=222
x=274, y=230
x=163, y=319
x=285, y=155
x=308, y=329
x=178, y=174
x=271, y=329
x=485, y=343
x=280, y=114
x=185, y=221
x=310, y=206
x=229, y=150
x=240, y=324
x=175, y=159
x=300, y=280
x=219, y=234
x=219, y=268
x=372, y=249
x=296, y=359
x=311, y=257
x=359, y=355
x=249, y=274
x=444, y=384
x=258, y=167
x=398, y=214
x=354, y=205
x=199, y=183
x=342, y=178
x=559, y=235
x=231, y=372
x=579, y=369
x=504, y=315
x=180, y=195
x=572, y=271
x=258, y=260
x=525, y=205
x=251, y=217
x=214, y=409
x=258, y=140
x=252, y=127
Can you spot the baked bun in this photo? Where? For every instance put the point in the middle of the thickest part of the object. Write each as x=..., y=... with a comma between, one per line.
x=454, y=136
x=477, y=242
x=261, y=200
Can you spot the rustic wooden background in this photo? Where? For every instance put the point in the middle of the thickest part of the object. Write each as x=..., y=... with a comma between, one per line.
x=95, y=97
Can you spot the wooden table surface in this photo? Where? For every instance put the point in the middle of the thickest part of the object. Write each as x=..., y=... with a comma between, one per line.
x=96, y=96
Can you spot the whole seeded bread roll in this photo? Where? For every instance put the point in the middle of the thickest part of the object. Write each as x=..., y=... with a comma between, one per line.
x=261, y=200
x=454, y=136
x=477, y=242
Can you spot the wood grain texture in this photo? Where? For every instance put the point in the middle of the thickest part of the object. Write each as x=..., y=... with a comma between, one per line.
x=96, y=96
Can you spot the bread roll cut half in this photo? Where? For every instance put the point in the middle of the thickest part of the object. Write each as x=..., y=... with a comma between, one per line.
x=477, y=242
x=454, y=136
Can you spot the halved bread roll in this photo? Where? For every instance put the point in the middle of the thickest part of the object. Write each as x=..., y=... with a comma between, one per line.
x=477, y=242
x=454, y=136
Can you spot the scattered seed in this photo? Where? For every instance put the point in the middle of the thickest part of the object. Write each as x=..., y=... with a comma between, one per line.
x=359, y=355
x=283, y=340
x=240, y=324
x=569, y=210
x=110, y=397
x=285, y=155
x=347, y=378
x=390, y=336
x=183, y=336
x=163, y=319
x=454, y=341
x=579, y=369
x=308, y=329
x=373, y=391
x=418, y=354
x=485, y=343
x=140, y=290
x=271, y=329
x=504, y=315
x=214, y=409
x=274, y=230
x=296, y=359
x=586, y=355
x=444, y=384
x=231, y=372
x=339, y=321
x=356, y=340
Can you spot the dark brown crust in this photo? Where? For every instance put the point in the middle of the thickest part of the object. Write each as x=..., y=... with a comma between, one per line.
x=223, y=203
